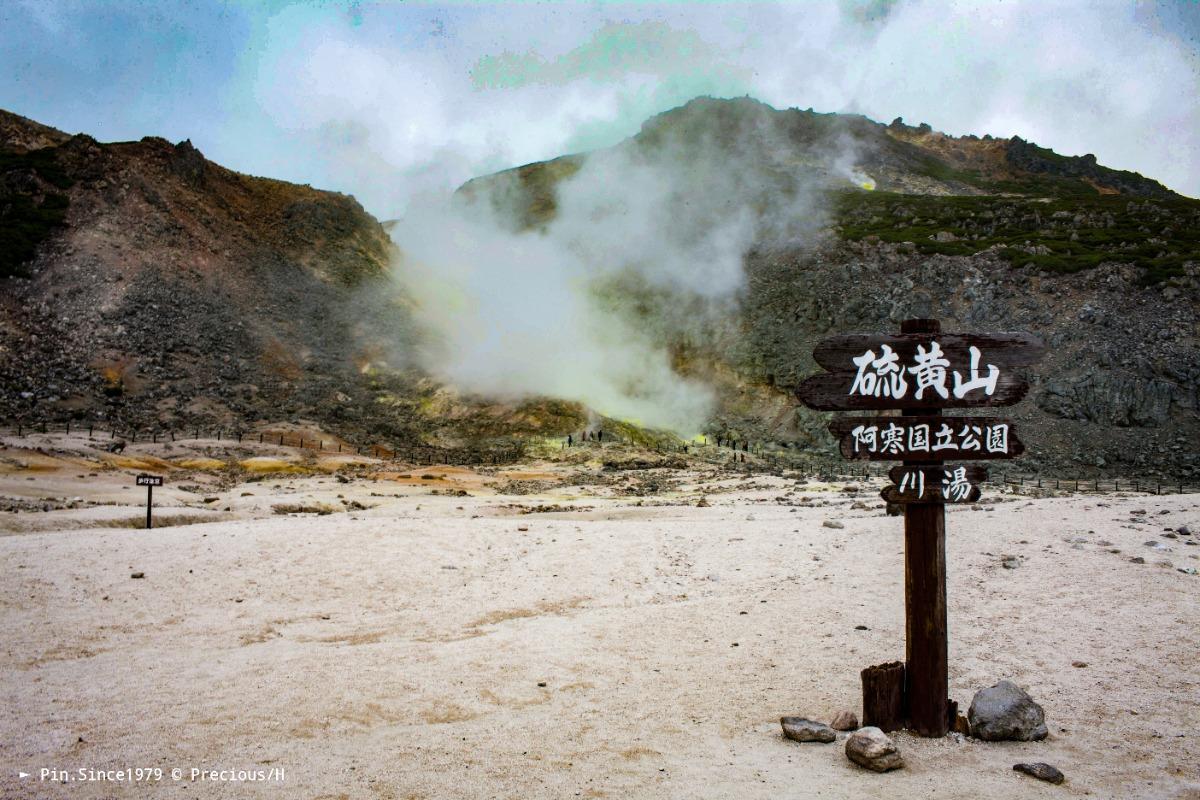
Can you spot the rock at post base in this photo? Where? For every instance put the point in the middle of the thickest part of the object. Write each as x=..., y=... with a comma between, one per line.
x=799, y=729
x=844, y=721
x=1005, y=711
x=1043, y=772
x=873, y=749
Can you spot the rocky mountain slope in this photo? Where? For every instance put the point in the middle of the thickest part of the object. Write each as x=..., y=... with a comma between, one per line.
x=986, y=234
x=145, y=284
x=149, y=286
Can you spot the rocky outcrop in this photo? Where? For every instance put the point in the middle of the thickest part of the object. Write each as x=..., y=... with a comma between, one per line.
x=1028, y=157
x=799, y=729
x=1005, y=711
x=873, y=749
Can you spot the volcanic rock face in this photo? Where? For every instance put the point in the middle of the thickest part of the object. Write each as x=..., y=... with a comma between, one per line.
x=986, y=235
x=174, y=290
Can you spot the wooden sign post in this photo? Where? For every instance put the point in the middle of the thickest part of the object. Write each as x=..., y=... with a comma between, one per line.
x=149, y=481
x=920, y=372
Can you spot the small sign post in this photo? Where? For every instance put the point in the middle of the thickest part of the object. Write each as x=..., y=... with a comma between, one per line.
x=149, y=481
x=920, y=372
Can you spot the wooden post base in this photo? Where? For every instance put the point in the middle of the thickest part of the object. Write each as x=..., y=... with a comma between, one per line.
x=883, y=696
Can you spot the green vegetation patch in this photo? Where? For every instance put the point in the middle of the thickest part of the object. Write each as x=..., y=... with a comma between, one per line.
x=1058, y=234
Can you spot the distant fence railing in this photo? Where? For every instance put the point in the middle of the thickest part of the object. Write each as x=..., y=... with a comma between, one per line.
x=806, y=465
x=760, y=460
x=404, y=452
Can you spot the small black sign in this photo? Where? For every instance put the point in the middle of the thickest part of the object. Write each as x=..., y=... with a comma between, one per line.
x=149, y=480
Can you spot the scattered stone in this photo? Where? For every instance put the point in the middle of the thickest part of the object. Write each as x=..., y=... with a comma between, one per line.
x=861, y=628
x=799, y=729
x=873, y=749
x=138, y=575
x=1005, y=711
x=522, y=527
x=1184, y=530
x=1170, y=536
x=1043, y=772
x=1079, y=664
x=832, y=523
x=844, y=721
x=1010, y=562
x=1187, y=570
x=703, y=503
x=1137, y=560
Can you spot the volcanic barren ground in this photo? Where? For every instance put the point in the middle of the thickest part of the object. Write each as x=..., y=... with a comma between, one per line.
x=380, y=631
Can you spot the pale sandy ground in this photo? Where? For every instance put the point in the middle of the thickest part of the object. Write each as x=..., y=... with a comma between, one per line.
x=398, y=652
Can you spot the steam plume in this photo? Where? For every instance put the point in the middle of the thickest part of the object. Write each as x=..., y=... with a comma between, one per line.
x=646, y=243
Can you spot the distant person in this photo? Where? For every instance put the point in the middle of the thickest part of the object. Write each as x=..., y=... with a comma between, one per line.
x=599, y=436
x=570, y=440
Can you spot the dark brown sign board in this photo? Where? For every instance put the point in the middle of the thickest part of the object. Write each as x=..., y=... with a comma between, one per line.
x=974, y=473
x=925, y=370
x=837, y=353
x=930, y=493
x=831, y=391
x=926, y=438
x=939, y=484
x=920, y=372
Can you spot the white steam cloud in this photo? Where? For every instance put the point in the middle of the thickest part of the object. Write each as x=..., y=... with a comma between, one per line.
x=553, y=309
x=473, y=90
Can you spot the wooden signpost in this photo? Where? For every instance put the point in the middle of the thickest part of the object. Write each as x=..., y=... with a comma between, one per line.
x=920, y=372
x=149, y=481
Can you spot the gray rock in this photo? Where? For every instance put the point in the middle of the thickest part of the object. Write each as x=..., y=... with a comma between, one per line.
x=799, y=729
x=844, y=721
x=1010, y=562
x=873, y=749
x=832, y=523
x=1041, y=771
x=1005, y=711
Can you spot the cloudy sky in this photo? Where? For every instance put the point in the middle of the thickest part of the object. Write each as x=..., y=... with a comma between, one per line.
x=387, y=100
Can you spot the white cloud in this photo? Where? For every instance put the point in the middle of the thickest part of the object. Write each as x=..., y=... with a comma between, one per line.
x=1078, y=77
